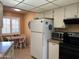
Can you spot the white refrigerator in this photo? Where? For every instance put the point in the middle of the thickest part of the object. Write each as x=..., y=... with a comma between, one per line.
x=41, y=30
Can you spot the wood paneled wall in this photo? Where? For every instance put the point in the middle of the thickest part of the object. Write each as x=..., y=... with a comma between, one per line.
x=24, y=20
x=15, y=14
x=28, y=17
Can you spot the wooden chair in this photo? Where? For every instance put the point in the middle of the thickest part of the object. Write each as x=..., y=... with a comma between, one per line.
x=8, y=38
x=22, y=42
x=15, y=42
x=1, y=38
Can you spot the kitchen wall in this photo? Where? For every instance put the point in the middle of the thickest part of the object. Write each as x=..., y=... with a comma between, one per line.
x=72, y=28
x=61, y=13
x=1, y=16
x=27, y=18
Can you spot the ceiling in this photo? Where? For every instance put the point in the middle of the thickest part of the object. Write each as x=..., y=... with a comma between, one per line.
x=37, y=5
x=11, y=9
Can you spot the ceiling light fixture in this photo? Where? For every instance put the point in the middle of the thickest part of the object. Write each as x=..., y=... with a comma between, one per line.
x=50, y=0
x=17, y=9
x=19, y=0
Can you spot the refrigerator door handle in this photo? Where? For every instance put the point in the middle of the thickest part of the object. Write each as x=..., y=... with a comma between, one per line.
x=50, y=27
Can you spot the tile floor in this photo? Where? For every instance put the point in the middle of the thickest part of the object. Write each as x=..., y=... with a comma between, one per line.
x=22, y=53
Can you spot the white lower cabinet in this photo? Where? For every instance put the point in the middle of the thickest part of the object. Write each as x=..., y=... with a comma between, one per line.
x=53, y=51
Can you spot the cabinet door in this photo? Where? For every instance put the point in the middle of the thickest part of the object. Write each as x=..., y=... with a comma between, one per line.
x=71, y=11
x=48, y=14
x=1, y=14
x=53, y=51
x=58, y=18
x=40, y=15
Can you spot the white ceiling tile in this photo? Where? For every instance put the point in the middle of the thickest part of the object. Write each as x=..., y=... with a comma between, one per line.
x=45, y=7
x=65, y=2
x=11, y=3
x=24, y=6
x=36, y=10
x=35, y=2
x=48, y=6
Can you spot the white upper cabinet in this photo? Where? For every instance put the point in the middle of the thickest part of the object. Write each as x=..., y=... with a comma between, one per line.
x=49, y=14
x=58, y=18
x=39, y=15
x=71, y=11
x=1, y=14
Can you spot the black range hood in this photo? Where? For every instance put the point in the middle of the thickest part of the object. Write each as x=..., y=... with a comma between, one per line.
x=71, y=21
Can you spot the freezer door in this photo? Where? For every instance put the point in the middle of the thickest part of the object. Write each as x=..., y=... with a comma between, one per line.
x=36, y=45
x=36, y=25
x=48, y=29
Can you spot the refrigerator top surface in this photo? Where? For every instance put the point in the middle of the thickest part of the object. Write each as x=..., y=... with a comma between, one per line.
x=44, y=18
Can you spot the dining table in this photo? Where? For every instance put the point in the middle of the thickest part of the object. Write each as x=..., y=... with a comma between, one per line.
x=18, y=40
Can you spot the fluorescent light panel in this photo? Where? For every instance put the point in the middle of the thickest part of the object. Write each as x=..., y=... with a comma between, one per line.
x=50, y=0
x=17, y=9
x=18, y=0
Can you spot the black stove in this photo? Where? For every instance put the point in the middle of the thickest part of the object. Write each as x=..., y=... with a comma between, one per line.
x=69, y=48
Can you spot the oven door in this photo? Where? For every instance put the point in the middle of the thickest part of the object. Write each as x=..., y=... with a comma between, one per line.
x=67, y=51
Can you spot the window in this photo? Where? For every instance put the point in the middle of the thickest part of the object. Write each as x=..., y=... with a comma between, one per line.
x=15, y=25
x=11, y=25
x=6, y=25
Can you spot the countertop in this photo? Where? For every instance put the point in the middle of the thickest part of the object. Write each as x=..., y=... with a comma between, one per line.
x=4, y=47
x=53, y=40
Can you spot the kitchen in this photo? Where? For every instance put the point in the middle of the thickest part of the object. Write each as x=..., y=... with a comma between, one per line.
x=57, y=10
